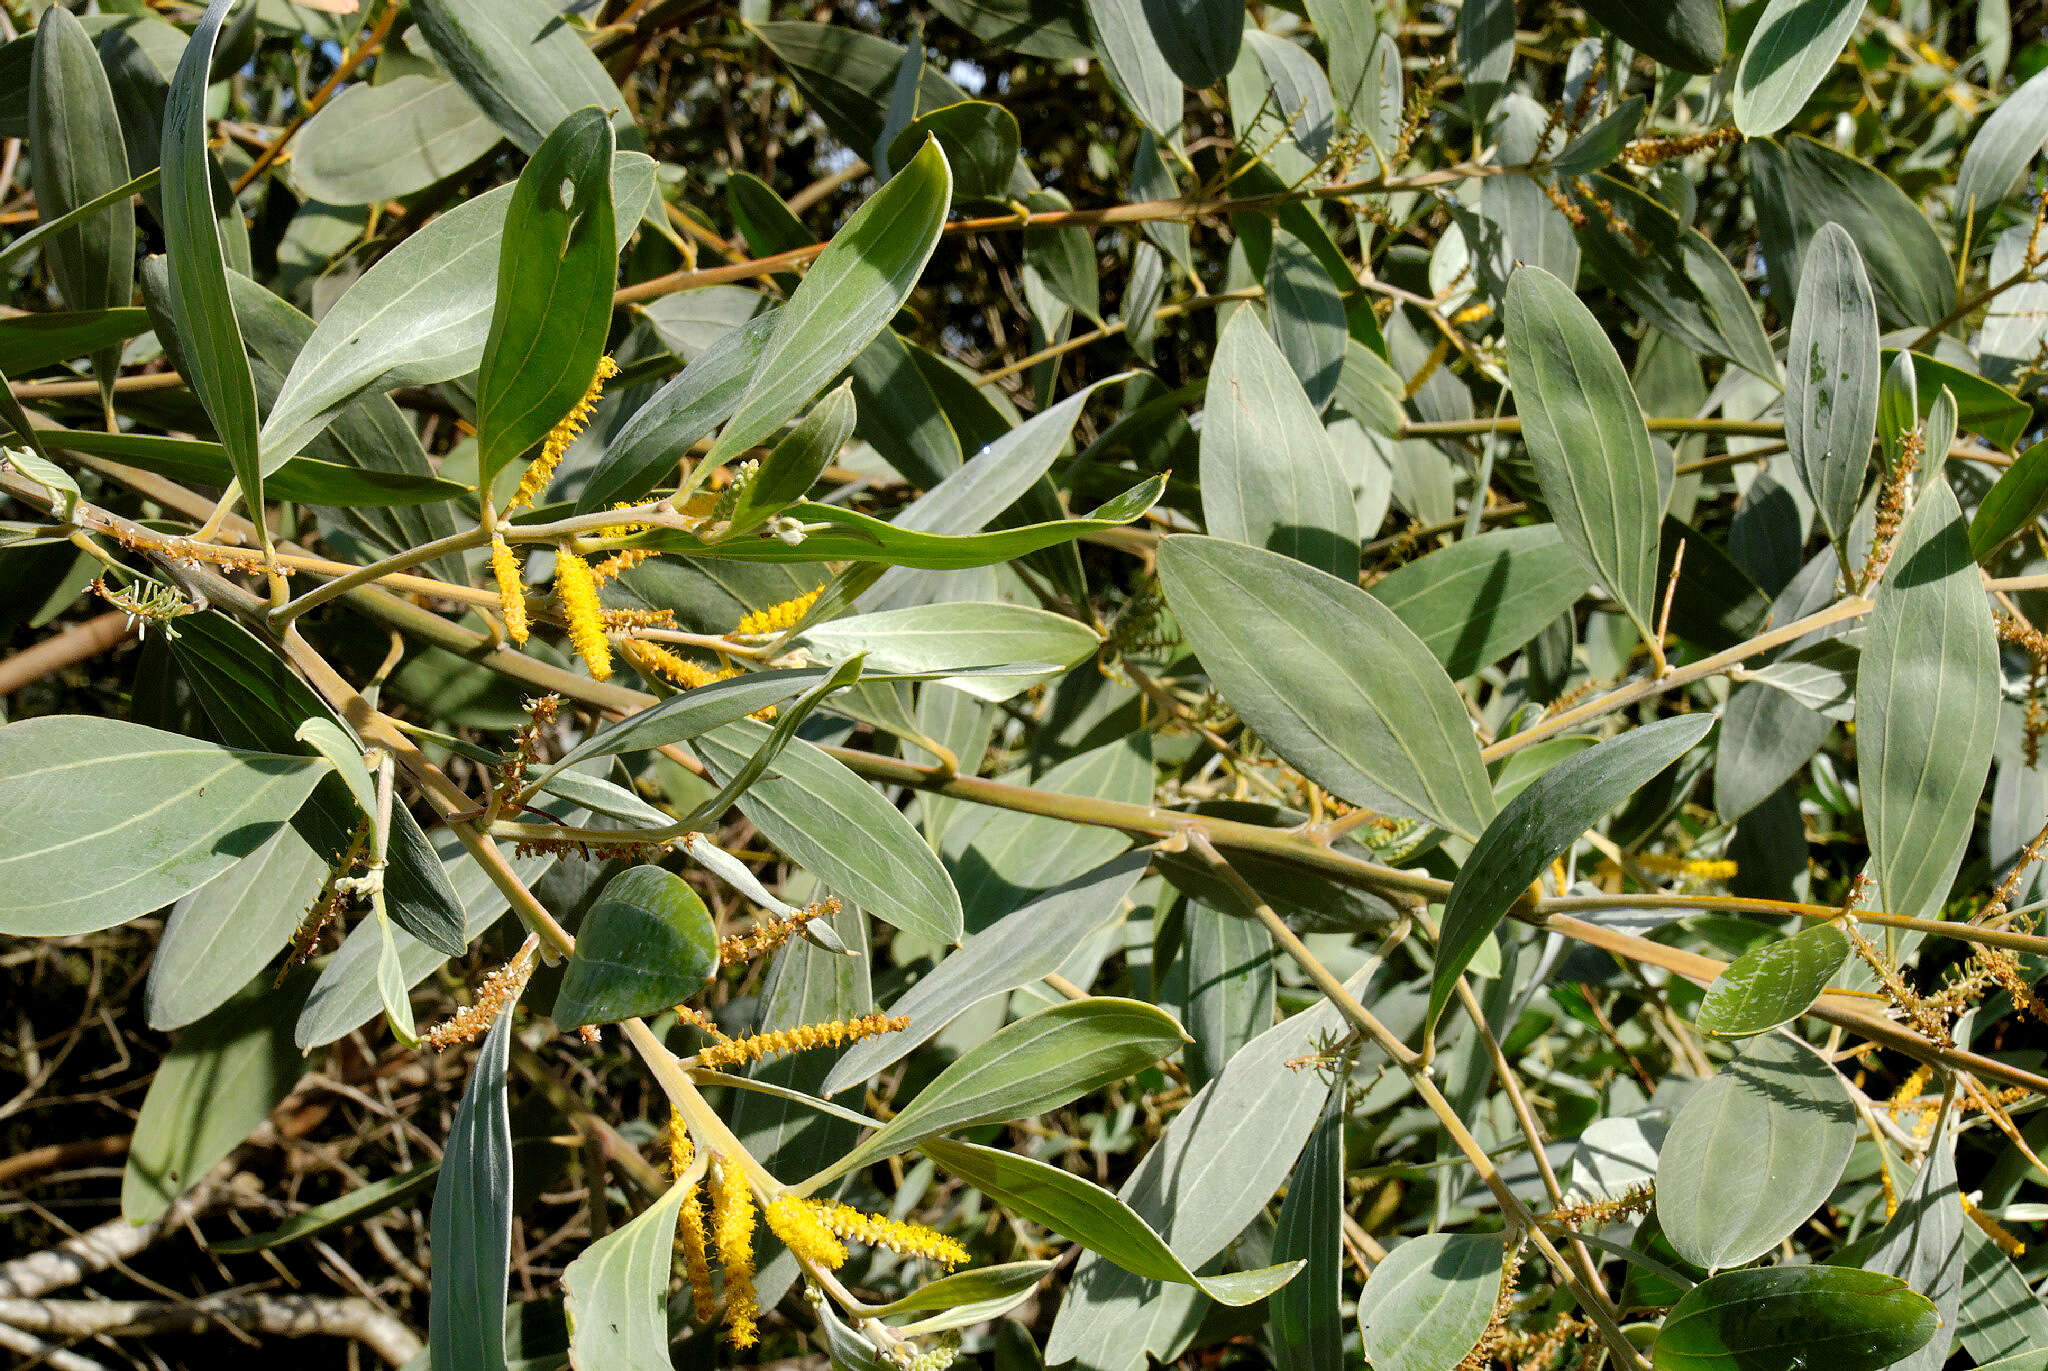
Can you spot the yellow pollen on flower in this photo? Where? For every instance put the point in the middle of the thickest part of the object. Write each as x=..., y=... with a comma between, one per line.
x=2001, y=1236
x=777, y=618
x=741, y=1051
x=1695, y=867
x=576, y=588
x=511, y=588
x=473, y=1020
x=1909, y=1090
x=875, y=1230
x=732, y=1232
x=542, y=469
x=796, y=1222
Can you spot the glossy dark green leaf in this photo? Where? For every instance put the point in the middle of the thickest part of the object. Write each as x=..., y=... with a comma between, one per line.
x=1687, y=35
x=1784, y=1316
x=472, y=1219
x=1926, y=707
x=1057, y=29
x=1084, y=1212
x=1304, y=1320
x=2014, y=502
x=1270, y=477
x=1986, y=409
x=221, y=1078
x=1479, y=599
x=847, y=76
x=148, y=816
x=980, y=142
x=647, y=944
x=1773, y=984
x=2001, y=150
x=384, y=141
x=1790, y=52
x=1786, y=1115
x=30, y=342
x=1426, y=1306
x=521, y=61
x=1585, y=435
x=1308, y=317
x=1540, y=825
x=199, y=284
x=1909, y=267
x=849, y=294
x=1035, y=1064
x=75, y=145
x=1831, y=362
x=305, y=479
x=553, y=306
x=1135, y=66
x=1331, y=679
x=793, y=466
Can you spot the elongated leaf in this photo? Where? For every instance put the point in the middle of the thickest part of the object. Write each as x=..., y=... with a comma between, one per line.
x=1329, y=677
x=1773, y=984
x=787, y=473
x=1586, y=437
x=304, y=479
x=553, y=306
x=848, y=75
x=1427, y=1304
x=1688, y=35
x=839, y=828
x=682, y=717
x=1785, y=1113
x=1135, y=66
x=990, y=651
x=519, y=60
x=1079, y=1209
x=2001, y=1316
x=980, y=142
x=373, y=143
x=1024, y=945
x=220, y=1080
x=1038, y=1063
x=617, y=1291
x=472, y=1219
x=102, y=820
x=1923, y=1246
x=30, y=342
x=642, y=455
x=1821, y=677
x=356, y=1205
x=1540, y=825
x=1304, y=1320
x=75, y=143
x=2019, y=497
x=1909, y=267
x=421, y=315
x=2001, y=149
x=221, y=934
x=1993, y=411
x=646, y=944
x=1794, y=45
x=1479, y=599
x=850, y=293
x=199, y=283
x=1926, y=708
x=834, y=533
x=1308, y=317
x=1269, y=475
x=1832, y=1316
x=1831, y=378
x=1198, y=38
x=1301, y=93
x=1222, y=985
x=970, y=1297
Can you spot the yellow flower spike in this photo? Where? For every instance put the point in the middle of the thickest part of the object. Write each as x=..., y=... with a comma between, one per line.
x=1697, y=868
x=652, y=659
x=2001, y=1236
x=620, y=563
x=758, y=1046
x=542, y=469
x=511, y=588
x=696, y=1264
x=576, y=588
x=875, y=1230
x=796, y=1222
x=732, y=1232
x=1909, y=1090
x=777, y=618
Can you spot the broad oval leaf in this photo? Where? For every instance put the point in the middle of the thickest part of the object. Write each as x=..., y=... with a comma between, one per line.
x=2001, y=149
x=1427, y=1305
x=472, y=1219
x=1136, y=68
x=617, y=1291
x=1331, y=678
x=1909, y=266
x=850, y=293
x=1540, y=825
x=1586, y=437
x=1269, y=475
x=2016, y=500
x=1479, y=599
x=1308, y=319
x=839, y=828
x=1035, y=1064
x=221, y=934
x=646, y=944
x=1790, y=52
x=1080, y=1210
x=998, y=650
x=980, y=142
x=144, y=817
x=1831, y=378
x=205, y=313
x=1686, y=35
x=373, y=143
x=1785, y=1114
x=1785, y=1316
x=557, y=259
x=520, y=60
x=1773, y=984
x=1927, y=691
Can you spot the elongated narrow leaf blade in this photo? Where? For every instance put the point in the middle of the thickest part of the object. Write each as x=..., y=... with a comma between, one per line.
x=1831, y=378
x=1790, y=52
x=472, y=1219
